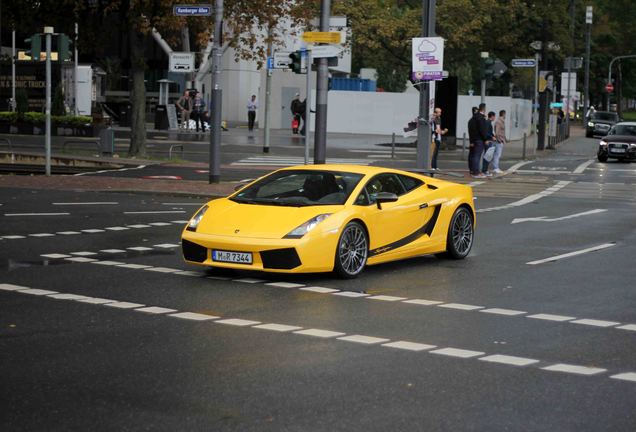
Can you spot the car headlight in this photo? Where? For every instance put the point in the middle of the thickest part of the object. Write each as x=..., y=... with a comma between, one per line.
x=194, y=222
x=590, y=124
x=603, y=143
x=303, y=229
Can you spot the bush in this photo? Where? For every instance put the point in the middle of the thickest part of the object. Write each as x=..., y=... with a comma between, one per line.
x=8, y=117
x=35, y=117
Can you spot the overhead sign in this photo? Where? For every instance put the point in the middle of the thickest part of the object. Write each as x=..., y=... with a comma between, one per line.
x=192, y=10
x=281, y=60
x=322, y=37
x=428, y=57
x=523, y=63
x=181, y=62
x=322, y=51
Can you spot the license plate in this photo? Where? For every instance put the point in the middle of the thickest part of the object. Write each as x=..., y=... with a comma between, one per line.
x=232, y=257
x=617, y=150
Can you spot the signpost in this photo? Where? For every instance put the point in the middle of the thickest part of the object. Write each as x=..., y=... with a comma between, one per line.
x=181, y=62
x=192, y=10
x=322, y=37
x=523, y=63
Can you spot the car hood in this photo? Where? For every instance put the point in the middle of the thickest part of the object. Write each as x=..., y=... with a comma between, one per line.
x=620, y=138
x=228, y=218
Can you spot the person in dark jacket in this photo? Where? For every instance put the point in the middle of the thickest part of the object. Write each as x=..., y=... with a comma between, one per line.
x=489, y=142
x=477, y=135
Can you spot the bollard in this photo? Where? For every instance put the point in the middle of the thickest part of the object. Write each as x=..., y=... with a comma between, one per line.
x=464, y=147
x=523, y=156
x=393, y=145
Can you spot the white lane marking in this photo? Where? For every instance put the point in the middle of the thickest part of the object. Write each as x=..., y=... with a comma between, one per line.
x=155, y=310
x=583, y=167
x=138, y=226
x=237, y=322
x=366, y=340
x=38, y=292
x=159, y=223
x=83, y=253
x=460, y=306
x=352, y=294
x=319, y=333
x=248, y=280
x=155, y=212
x=423, y=302
x=629, y=376
x=321, y=290
x=139, y=248
x=456, y=352
x=529, y=199
x=117, y=228
x=41, y=235
x=13, y=237
x=108, y=263
x=124, y=305
x=95, y=300
x=93, y=230
x=510, y=360
x=166, y=245
x=179, y=222
x=596, y=323
x=507, y=312
x=113, y=251
x=68, y=232
x=630, y=327
x=11, y=287
x=134, y=266
x=67, y=296
x=55, y=256
x=193, y=316
x=409, y=346
x=37, y=214
x=476, y=183
x=518, y=165
x=80, y=259
x=574, y=369
x=162, y=269
x=386, y=298
x=550, y=317
x=86, y=203
x=546, y=219
x=571, y=254
x=278, y=327
x=285, y=284
x=103, y=171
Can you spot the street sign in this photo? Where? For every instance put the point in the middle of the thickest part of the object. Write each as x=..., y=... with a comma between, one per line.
x=554, y=105
x=281, y=60
x=588, y=15
x=270, y=63
x=428, y=56
x=523, y=63
x=322, y=37
x=192, y=10
x=322, y=51
x=564, y=83
x=498, y=68
x=181, y=62
x=609, y=87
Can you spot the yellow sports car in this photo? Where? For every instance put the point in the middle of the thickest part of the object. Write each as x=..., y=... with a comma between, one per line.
x=320, y=218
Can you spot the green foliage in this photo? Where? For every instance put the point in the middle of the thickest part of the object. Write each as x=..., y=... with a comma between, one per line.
x=57, y=104
x=8, y=117
x=34, y=117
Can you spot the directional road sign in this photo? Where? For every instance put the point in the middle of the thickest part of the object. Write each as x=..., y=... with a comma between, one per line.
x=192, y=10
x=321, y=51
x=322, y=37
x=523, y=63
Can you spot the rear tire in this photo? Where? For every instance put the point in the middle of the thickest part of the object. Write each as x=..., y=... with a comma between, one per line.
x=352, y=251
x=461, y=234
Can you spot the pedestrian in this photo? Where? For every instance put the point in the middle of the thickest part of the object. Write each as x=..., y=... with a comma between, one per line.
x=302, y=107
x=295, y=105
x=591, y=110
x=477, y=135
x=198, y=107
x=437, y=132
x=252, y=106
x=490, y=141
x=500, y=141
x=184, y=104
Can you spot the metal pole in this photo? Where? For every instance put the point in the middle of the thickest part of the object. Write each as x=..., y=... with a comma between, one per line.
x=13, y=71
x=48, y=31
x=567, y=109
x=75, y=73
x=322, y=87
x=217, y=94
x=308, y=107
x=609, y=74
x=588, y=22
x=423, y=130
x=536, y=89
x=268, y=91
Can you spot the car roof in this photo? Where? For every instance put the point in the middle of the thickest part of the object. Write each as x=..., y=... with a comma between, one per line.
x=626, y=123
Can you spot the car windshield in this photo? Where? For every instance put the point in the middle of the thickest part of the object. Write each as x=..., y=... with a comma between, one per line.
x=298, y=188
x=605, y=116
x=623, y=130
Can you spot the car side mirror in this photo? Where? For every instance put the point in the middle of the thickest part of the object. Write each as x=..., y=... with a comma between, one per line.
x=385, y=197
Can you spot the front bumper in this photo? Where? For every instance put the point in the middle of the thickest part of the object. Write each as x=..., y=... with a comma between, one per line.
x=628, y=154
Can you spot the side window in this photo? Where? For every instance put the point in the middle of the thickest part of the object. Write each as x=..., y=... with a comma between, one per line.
x=383, y=183
x=410, y=183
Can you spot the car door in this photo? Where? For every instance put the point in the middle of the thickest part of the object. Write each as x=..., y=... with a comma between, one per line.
x=395, y=224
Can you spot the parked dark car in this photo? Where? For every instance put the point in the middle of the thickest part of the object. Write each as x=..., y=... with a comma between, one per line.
x=620, y=143
x=600, y=122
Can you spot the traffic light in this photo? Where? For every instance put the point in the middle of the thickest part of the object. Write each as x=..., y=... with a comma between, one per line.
x=487, y=67
x=297, y=62
x=36, y=46
x=63, y=51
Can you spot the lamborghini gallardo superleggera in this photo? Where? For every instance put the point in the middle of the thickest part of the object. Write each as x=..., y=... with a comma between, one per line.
x=322, y=218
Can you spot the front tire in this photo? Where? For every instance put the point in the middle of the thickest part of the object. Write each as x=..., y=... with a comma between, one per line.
x=461, y=234
x=352, y=251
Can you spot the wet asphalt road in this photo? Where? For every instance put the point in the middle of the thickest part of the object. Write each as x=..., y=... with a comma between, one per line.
x=499, y=341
